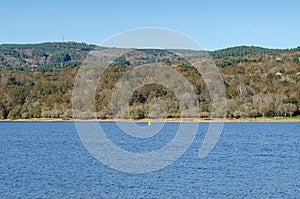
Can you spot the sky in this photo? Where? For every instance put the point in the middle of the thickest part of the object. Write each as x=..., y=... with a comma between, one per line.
x=214, y=24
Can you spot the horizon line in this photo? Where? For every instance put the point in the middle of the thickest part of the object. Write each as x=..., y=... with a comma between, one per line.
x=222, y=48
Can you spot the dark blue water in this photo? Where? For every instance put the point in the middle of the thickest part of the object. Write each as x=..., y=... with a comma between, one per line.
x=250, y=160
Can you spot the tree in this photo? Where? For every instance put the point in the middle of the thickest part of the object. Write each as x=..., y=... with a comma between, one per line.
x=59, y=57
x=296, y=60
x=287, y=109
x=15, y=113
x=2, y=112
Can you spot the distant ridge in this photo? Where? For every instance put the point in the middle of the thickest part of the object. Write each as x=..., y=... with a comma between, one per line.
x=240, y=51
x=56, y=55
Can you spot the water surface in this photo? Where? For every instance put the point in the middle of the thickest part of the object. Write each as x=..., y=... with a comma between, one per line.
x=250, y=160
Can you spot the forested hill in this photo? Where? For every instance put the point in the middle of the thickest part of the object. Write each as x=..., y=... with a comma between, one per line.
x=36, y=81
x=57, y=55
x=44, y=56
x=240, y=51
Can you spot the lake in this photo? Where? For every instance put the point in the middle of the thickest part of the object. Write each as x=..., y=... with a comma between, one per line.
x=250, y=160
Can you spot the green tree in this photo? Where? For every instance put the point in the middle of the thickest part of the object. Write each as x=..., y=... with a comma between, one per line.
x=59, y=57
x=15, y=112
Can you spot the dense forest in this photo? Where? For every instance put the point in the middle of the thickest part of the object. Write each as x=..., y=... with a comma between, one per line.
x=44, y=56
x=37, y=82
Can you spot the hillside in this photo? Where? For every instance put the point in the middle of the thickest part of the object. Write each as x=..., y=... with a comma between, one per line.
x=42, y=57
x=37, y=81
x=59, y=55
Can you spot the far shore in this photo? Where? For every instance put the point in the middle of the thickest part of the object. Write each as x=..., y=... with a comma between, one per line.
x=260, y=119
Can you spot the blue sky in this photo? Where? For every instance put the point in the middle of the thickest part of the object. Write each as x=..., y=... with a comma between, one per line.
x=214, y=24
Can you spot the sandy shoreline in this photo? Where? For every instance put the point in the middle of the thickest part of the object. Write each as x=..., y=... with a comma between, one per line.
x=275, y=119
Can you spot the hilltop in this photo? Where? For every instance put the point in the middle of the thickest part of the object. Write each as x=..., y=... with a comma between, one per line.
x=44, y=56
x=57, y=55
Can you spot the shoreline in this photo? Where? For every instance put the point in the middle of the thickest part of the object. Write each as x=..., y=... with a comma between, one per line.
x=225, y=120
